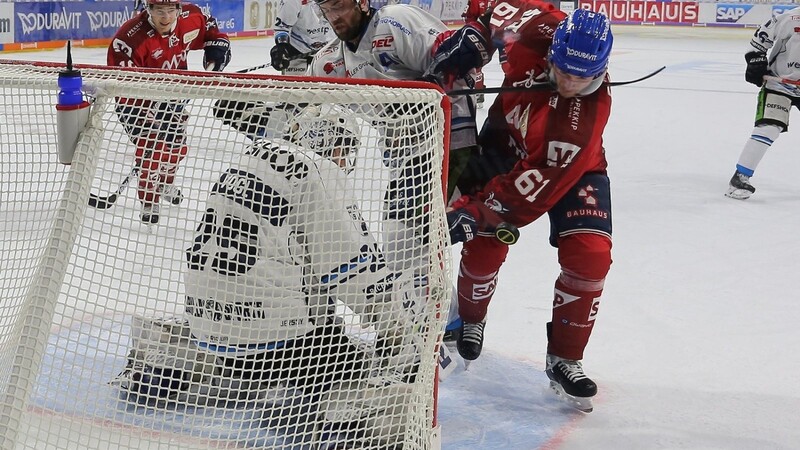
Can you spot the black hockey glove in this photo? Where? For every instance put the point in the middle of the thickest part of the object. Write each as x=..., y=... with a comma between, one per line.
x=756, y=68
x=217, y=54
x=461, y=51
x=463, y=225
x=470, y=218
x=282, y=54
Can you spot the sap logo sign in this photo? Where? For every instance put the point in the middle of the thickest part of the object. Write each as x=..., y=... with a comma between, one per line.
x=731, y=13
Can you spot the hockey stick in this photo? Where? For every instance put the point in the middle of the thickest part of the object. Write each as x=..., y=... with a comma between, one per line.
x=782, y=80
x=251, y=69
x=542, y=86
x=98, y=202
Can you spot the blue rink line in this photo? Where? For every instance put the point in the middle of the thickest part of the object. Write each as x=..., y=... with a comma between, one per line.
x=499, y=403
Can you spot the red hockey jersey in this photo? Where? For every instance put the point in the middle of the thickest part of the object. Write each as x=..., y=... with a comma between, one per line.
x=555, y=139
x=137, y=44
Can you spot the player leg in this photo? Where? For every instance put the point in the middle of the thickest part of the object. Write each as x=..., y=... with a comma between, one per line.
x=148, y=161
x=481, y=259
x=172, y=148
x=772, y=118
x=581, y=230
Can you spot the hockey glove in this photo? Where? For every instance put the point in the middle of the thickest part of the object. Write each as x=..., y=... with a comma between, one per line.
x=756, y=68
x=469, y=218
x=216, y=54
x=459, y=52
x=282, y=54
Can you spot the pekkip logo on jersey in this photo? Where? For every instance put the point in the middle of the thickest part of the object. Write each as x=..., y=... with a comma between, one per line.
x=644, y=11
x=731, y=13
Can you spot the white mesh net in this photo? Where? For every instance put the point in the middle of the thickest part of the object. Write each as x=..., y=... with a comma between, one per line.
x=264, y=263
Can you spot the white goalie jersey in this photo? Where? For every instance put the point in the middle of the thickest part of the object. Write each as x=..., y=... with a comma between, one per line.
x=278, y=238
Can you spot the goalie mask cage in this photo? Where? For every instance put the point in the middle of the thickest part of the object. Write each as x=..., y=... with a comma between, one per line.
x=84, y=289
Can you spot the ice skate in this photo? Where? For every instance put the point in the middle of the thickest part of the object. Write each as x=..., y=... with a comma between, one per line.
x=170, y=194
x=452, y=331
x=740, y=187
x=470, y=342
x=149, y=213
x=569, y=382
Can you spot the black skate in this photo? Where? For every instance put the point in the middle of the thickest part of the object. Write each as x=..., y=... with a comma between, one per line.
x=150, y=213
x=569, y=382
x=452, y=331
x=740, y=187
x=470, y=342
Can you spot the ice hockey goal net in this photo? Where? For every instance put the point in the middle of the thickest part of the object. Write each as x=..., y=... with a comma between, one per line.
x=90, y=291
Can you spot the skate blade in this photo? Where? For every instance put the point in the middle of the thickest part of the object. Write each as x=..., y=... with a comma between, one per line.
x=582, y=404
x=738, y=194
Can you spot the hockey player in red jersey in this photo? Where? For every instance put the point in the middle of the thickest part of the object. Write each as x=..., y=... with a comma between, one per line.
x=542, y=152
x=161, y=37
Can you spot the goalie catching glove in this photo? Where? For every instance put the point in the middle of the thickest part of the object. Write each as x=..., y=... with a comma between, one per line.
x=216, y=54
x=757, y=67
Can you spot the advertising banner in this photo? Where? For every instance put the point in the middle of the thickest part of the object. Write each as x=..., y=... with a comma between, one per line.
x=656, y=12
x=53, y=21
x=6, y=23
x=259, y=14
x=229, y=14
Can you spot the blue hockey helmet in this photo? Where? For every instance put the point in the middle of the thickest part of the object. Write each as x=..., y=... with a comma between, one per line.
x=582, y=44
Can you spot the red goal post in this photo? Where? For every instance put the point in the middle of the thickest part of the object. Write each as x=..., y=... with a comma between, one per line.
x=82, y=286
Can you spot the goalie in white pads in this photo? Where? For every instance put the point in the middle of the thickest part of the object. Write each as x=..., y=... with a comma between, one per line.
x=279, y=244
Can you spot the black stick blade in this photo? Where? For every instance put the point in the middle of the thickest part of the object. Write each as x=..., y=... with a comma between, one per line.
x=102, y=202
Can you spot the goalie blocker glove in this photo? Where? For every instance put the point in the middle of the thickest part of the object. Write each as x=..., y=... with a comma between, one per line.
x=216, y=54
x=282, y=54
x=756, y=68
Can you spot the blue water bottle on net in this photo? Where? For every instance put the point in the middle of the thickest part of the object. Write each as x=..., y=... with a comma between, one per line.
x=72, y=111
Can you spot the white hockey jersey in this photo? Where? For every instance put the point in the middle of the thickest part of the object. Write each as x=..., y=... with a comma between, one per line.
x=396, y=45
x=278, y=238
x=302, y=24
x=780, y=38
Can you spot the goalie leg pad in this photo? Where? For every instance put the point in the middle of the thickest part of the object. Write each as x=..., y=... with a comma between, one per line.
x=365, y=414
x=397, y=317
x=164, y=365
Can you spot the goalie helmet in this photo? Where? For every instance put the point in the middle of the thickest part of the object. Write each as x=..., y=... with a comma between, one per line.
x=328, y=131
x=582, y=44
